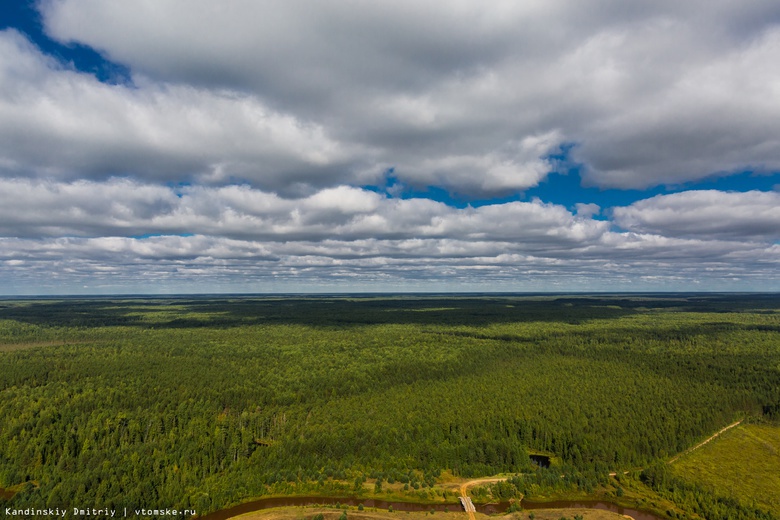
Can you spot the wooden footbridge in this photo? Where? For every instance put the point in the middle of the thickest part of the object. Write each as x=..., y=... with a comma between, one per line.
x=465, y=499
x=468, y=506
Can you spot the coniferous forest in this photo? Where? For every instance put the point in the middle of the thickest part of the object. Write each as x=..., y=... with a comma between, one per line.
x=205, y=402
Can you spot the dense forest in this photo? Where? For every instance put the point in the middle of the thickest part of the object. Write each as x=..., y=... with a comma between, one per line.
x=203, y=402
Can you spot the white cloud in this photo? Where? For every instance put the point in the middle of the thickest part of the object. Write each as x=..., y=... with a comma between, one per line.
x=587, y=210
x=58, y=122
x=706, y=213
x=222, y=234
x=714, y=117
x=514, y=167
x=653, y=92
x=121, y=207
x=204, y=264
x=247, y=132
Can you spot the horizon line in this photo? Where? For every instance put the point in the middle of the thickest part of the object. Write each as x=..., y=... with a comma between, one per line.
x=358, y=294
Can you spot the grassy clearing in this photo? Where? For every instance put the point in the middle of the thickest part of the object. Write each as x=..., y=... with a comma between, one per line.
x=557, y=514
x=743, y=463
x=306, y=513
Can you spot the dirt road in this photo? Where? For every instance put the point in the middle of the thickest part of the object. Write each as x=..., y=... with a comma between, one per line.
x=470, y=483
x=702, y=443
x=464, y=489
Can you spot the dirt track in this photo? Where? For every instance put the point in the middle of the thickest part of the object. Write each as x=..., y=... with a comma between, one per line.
x=464, y=488
x=702, y=443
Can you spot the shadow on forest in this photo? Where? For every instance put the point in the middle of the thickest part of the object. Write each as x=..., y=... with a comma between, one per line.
x=346, y=311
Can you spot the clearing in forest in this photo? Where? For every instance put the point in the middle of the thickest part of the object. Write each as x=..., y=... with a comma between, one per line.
x=742, y=462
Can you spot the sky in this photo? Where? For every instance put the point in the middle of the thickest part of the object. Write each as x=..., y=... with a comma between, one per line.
x=242, y=146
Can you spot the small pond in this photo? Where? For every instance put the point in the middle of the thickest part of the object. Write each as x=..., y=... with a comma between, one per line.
x=543, y=461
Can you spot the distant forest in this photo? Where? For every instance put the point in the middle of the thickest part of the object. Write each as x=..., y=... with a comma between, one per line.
x=204, y=402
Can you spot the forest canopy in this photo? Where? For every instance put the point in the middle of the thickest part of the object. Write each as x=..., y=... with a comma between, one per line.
x=203, y=402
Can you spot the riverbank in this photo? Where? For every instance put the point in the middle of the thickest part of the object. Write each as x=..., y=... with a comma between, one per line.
x=297, y=513
x=337, y=504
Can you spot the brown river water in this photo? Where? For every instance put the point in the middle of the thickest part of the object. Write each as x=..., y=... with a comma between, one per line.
x=489, y=509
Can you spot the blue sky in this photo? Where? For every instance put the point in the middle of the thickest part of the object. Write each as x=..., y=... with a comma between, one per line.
x=236, y=147
x=23, y=16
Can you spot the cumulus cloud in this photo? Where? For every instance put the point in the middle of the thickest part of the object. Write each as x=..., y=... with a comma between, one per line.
x=174, y=264
x=587, y=210
x=515, y=167
x=706, y=213
x=653, y=93
x=716, y=118
x=120, y=231
x=121, y=207
x=57, y=122
x=240, y=154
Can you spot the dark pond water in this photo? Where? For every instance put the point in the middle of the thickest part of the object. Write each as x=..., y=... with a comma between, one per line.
x=488, y=509
x=542, y=461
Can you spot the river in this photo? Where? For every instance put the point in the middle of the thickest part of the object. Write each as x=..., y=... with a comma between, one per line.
x=267, y=503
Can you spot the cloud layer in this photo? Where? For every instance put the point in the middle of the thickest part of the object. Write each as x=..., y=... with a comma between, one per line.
x=62, y=123
x=261, y=148
x=120, y=233
x=473, y=97
x=709, y=213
